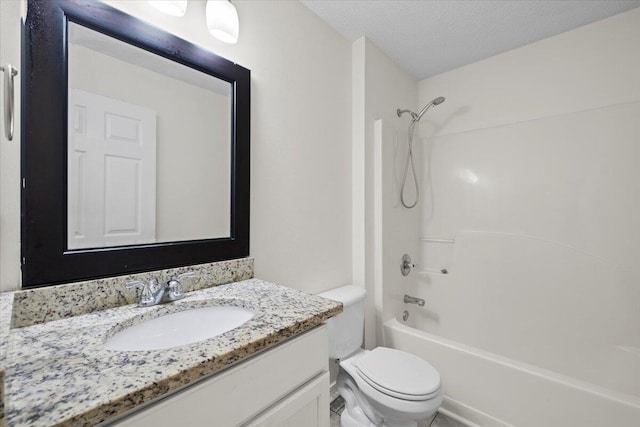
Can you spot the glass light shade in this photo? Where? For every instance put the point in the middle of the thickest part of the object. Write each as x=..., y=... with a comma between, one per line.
x=222, y=20
x=170, y=7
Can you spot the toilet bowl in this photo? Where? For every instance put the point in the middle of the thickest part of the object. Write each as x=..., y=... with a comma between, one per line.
x=383, y=386
x=389, y=387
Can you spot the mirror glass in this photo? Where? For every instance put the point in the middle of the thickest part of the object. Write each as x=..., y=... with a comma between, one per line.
x=149, y=146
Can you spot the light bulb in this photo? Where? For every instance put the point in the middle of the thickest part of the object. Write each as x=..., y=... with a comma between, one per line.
x=170, y=7
x=222, y=20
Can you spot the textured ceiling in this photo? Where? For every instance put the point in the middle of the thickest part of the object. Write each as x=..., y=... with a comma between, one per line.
x=427, y=37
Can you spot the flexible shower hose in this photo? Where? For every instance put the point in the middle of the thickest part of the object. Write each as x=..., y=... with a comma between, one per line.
x=409, y=161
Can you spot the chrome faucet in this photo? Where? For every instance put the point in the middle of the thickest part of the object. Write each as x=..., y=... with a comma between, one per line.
x=413, y=300
x=153, y=294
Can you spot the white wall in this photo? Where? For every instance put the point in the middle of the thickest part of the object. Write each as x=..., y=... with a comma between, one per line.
x=300, y=136
x=383, y=229
x=534, y=162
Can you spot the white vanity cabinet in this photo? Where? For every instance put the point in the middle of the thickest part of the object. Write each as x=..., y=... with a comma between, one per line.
x=287, y=385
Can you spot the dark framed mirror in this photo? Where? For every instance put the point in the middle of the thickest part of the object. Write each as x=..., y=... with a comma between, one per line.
x=135, y=148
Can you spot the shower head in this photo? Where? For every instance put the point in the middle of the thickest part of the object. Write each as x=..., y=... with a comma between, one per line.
x=415, y=117
x=439, y=100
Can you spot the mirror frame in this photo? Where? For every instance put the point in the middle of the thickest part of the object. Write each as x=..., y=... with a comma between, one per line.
x=46, y=259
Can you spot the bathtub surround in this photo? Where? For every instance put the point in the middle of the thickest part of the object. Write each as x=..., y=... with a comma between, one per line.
x=533, y=164
x=382, y=229
x=73, y=349
x=34, y=306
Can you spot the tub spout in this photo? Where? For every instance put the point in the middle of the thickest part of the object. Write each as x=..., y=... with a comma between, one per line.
x=413, y=300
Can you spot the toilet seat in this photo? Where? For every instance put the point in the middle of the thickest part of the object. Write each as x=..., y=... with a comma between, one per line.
x=398, y=374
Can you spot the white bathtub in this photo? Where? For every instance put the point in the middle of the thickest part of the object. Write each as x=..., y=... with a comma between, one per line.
x=490, y=390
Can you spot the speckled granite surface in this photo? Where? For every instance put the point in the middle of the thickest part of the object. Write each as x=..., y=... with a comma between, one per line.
x=6, y=301
x=2, y=423
x=59, y=374
x=33, y=306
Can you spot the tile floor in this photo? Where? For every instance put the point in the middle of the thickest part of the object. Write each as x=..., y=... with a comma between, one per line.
x=439, y=420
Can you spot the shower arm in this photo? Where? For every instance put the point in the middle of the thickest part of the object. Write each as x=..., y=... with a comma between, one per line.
x=416, y=117
x=400, y=112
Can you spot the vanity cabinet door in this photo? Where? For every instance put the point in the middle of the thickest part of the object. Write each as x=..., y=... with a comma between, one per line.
x=307, y=407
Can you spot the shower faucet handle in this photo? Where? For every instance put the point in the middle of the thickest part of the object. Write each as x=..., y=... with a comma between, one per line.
x=406, y=265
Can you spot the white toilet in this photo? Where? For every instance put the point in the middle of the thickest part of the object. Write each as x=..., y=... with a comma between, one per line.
x=383, y=386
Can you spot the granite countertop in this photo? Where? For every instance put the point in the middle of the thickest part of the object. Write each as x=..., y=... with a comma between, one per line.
x=59, y=373
x=6, y=301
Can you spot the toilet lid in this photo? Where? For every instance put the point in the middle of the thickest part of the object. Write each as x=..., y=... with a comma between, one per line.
x=398, y=374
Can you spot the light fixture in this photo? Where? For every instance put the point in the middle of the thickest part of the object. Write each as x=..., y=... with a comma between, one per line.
x=170, y=7
x=222, y=20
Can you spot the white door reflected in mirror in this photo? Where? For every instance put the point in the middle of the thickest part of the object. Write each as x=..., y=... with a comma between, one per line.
x=112, y=172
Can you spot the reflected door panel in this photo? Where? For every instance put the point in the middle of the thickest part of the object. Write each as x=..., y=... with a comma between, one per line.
x=112, y=172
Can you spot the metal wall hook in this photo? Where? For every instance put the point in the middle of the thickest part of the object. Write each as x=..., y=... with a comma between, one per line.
x=9, y=73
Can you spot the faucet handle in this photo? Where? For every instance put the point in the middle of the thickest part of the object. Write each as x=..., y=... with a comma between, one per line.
x=146, y=287
x=175, y=288
x=185, y=275
x=135, y=284
x=153, y=285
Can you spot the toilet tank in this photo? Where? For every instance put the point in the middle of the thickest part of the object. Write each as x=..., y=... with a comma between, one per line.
x=346, y=330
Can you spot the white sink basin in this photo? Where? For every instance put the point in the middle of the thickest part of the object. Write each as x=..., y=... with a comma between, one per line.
x=184, y=327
